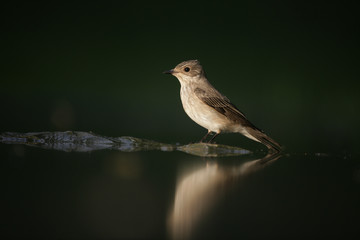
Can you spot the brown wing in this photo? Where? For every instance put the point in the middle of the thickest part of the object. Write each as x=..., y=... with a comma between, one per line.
x=225, y=107
x=222, y=105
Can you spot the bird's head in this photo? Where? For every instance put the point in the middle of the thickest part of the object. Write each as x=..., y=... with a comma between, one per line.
x=188, y=71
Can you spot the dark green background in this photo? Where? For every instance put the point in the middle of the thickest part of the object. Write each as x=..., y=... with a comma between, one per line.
x=291, y=67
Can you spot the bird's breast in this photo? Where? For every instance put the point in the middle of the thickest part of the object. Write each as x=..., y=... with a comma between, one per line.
x=200, y=112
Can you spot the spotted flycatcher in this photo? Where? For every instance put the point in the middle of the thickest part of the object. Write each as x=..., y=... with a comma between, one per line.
x=210, y=109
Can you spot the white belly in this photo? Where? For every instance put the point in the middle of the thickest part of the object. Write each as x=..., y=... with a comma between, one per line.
x=203, y=114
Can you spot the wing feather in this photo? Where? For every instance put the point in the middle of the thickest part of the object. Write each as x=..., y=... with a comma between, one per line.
x=221, y=104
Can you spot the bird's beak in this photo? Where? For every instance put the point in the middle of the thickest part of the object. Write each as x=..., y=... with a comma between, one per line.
x=171, y=71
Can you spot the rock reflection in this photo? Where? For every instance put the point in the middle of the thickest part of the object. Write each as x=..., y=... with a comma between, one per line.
x=197, y=191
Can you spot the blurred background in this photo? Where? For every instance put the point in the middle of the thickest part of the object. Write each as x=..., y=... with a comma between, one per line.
x=291, y=67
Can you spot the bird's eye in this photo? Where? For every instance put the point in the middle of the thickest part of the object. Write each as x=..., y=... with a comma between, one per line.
x=186, y=69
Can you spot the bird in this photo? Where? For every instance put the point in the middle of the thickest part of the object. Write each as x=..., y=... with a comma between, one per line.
x=210, y=109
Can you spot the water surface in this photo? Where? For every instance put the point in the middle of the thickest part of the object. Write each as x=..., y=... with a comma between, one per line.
x=110, y=193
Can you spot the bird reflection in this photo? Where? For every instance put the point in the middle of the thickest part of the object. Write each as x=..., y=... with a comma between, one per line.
x=197, y=191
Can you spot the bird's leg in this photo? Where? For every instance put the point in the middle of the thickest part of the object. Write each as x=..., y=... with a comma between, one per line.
x=212, y=139
x=207, y=134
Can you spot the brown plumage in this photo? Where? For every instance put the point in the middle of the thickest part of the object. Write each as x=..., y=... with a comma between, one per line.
x=210, y=109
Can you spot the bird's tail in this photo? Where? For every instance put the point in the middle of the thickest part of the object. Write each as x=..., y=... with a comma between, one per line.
x=258, y=135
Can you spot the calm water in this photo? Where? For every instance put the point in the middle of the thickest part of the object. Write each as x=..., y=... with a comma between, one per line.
x=111, y=194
